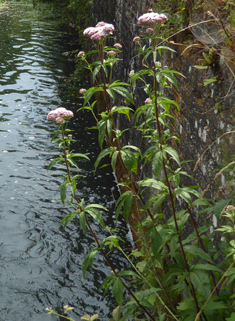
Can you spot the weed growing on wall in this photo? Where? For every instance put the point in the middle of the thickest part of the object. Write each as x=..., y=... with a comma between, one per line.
x=175, y=274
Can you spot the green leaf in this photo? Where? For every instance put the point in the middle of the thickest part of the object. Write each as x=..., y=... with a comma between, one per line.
x=151, y=182
x=157, y=163
x=156, y=242
x=208, y=267
x=121, y=201
x=80, y=155
x=173, y=153
x=200, y=67
x=114, y=159
x=89, y=93
x=102, y=154
x=82, y=219
x=117, y=313
x=210, y=80
x=88, y=261
x=199, y=202
x=220, y=205
x=165, y=48
x=129, y=160
x=197, y=252
x=183, y=193
x=54, y=162
x=101, y=125
x=109, y=127
x=95, y=213
x=117, y=289
x=127, y=206
x=95, y=71
x=68, y=218
x=231, y=318
x=215, y=305
x=122, y=110
x=125, y=93
x=129, y=273
x=170, y=78
x=63, y=190
x=111, y=94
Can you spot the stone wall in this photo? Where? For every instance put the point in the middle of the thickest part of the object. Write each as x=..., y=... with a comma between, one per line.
x=207, y=112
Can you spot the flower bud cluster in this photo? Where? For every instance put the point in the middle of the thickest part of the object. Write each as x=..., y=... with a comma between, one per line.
x=151, y=18
x=117, y=45
x=81, y=54
x=148, y=101
x=82, y=91
x=59, y=114
x=111, y=53
x=100, y=31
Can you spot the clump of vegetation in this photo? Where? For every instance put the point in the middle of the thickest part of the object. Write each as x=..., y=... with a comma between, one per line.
x=175, y=274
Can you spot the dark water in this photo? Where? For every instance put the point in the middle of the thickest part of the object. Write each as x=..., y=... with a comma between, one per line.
x=40, y=265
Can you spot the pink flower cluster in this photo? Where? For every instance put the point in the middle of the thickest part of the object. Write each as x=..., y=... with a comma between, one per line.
x=59, y=114
x=101, y=30
x=117, y=45
x=151, y=18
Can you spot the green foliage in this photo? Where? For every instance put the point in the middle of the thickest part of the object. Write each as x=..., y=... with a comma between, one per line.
x=174, y=271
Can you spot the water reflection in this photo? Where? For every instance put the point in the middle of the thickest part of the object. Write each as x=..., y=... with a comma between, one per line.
x=41, y=265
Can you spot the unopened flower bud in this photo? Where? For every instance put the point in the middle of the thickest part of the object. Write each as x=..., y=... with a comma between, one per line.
x=111, y=53
x=117, y=45
x=148, y=101
x=132, y=72
x=230, y=208
x=149, y=30
x=81, y=54
x=59, y=120
x=82, y=91
x=136, y=39
x=158, y=64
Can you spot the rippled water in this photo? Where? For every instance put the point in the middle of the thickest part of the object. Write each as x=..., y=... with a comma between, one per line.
x=40, y=265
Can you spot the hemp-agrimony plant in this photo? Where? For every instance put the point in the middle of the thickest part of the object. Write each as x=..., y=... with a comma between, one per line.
x=174, y=274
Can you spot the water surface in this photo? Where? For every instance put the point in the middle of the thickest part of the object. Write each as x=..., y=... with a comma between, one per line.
x=40, y=265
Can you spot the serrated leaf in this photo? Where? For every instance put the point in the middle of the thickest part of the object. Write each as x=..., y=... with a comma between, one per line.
x=88, y=261
x=151, y=182
x=129, y=160
x=54, y=162
x=79, y=155
x=157, y=163
x=220, y=205
x=124, y=92
x=68, y=218
x=122, y=110
x=82, y=219
x=101, y=125
x=173, y=153
x=117, y=290
x=111, y=94
x=95, y=213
